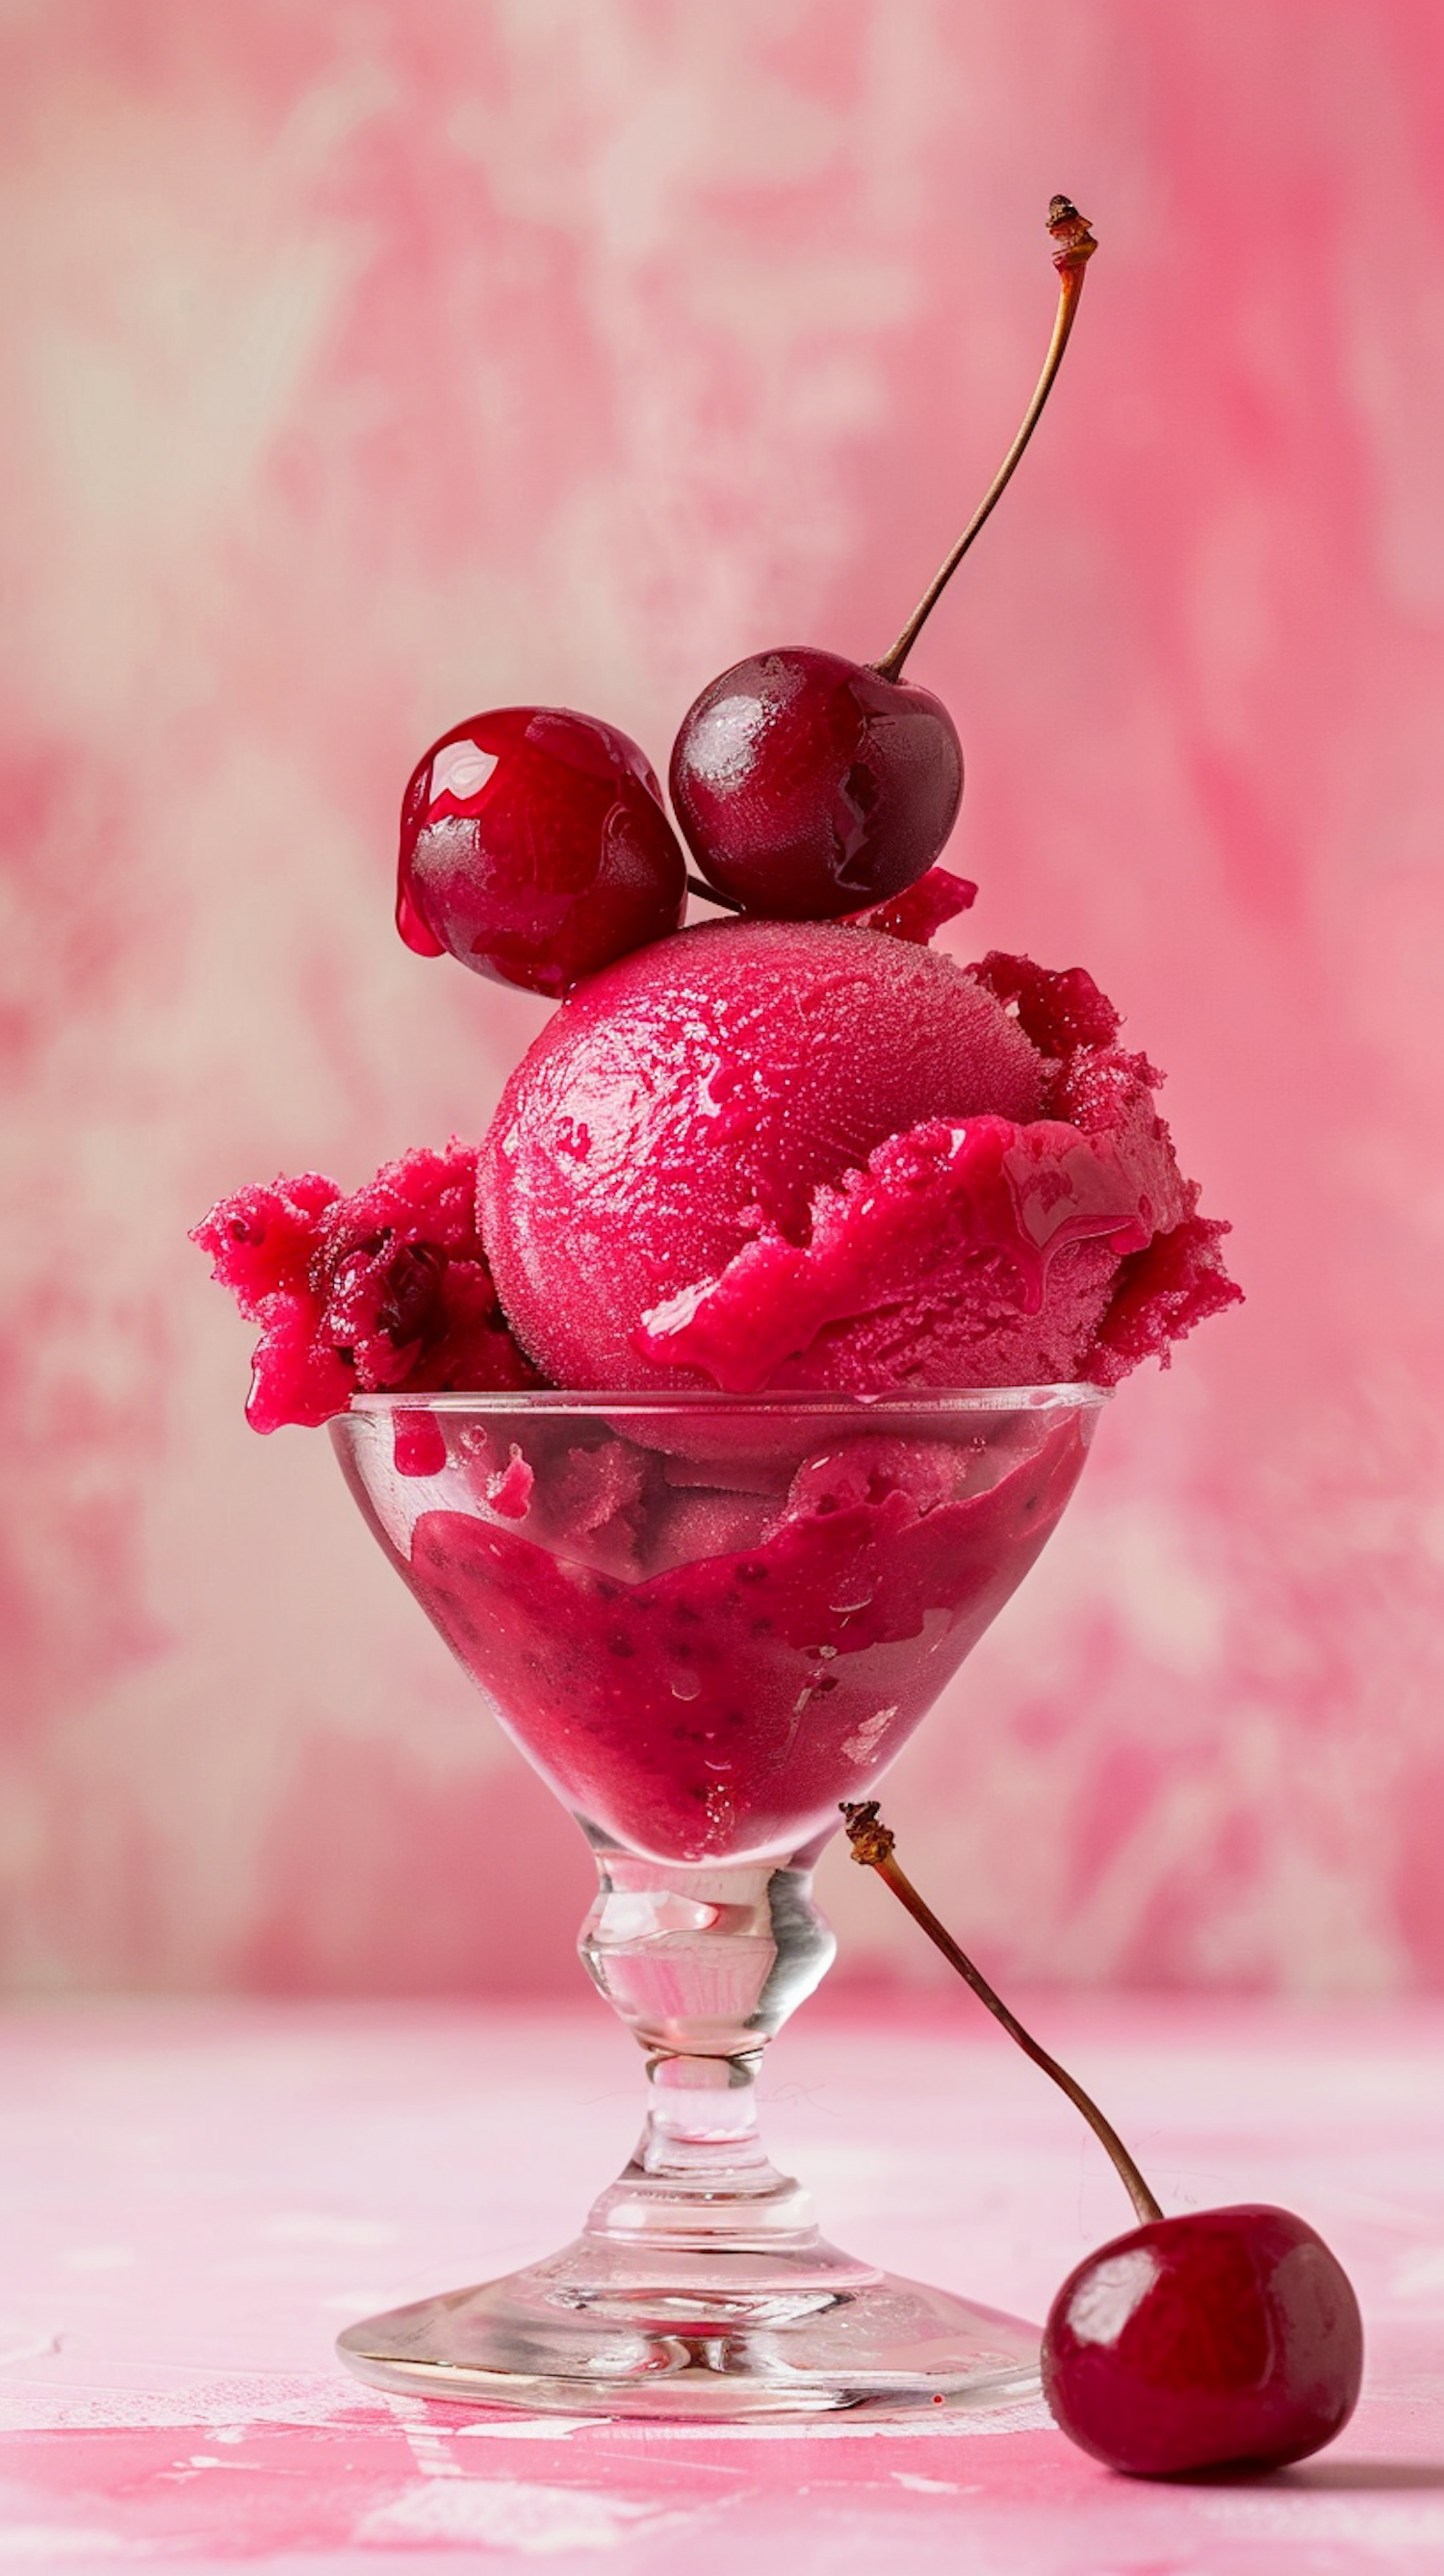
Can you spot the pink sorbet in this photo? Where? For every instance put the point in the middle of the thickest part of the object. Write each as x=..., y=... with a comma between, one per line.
x=388, y=1289
x=703, y=1660
x=804, y=1155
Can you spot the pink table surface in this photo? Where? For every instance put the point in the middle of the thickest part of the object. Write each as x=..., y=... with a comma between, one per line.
x=197, y=2197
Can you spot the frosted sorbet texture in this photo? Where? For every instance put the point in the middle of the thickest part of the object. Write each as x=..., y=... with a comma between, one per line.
x=385, y=1288
x=797, y=1155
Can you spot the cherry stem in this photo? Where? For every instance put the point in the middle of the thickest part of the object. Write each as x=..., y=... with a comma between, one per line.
x=1075, y=247
x=872, y=1845
x=709, y=894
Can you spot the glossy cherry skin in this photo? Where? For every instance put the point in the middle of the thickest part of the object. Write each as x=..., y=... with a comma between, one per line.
x=807, y=786
x=534, y=846
x=1230, y=2338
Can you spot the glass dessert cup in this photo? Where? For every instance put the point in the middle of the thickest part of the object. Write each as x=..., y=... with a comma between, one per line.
x=706, y=1620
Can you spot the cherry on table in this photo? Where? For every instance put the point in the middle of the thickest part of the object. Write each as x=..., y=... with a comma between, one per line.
x=535, y=847
x=1230, y=2338
x=808, y=785
x=1227, y=2338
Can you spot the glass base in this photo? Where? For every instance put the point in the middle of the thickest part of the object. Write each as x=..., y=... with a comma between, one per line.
x=701, y=2286
x=625, y=2330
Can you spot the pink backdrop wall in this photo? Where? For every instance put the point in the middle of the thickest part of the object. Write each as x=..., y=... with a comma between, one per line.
x=370, y=364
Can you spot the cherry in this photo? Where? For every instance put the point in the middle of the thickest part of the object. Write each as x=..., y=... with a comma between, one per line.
x=535, y=847
x=807, y=785
x=1227, y=2339
x=1230, y=2338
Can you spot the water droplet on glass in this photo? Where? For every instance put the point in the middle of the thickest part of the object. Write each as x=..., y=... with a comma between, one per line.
x=720, y=1809
x=685, y=1683
x=854, y=1592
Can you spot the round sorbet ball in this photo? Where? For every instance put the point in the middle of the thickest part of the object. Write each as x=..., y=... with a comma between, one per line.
x=534, y=847
x=706, y=1087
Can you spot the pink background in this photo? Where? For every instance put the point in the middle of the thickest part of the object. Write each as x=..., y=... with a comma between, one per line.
x=371, y=364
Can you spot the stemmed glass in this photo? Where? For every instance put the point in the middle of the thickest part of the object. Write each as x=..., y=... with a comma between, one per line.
x=706, y=1620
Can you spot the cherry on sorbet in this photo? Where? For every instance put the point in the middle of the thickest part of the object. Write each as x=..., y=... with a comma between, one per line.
x=808, y=786
x=535, y=847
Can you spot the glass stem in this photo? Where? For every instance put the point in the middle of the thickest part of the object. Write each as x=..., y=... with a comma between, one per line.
x=702, y=2119
x=703, y=1965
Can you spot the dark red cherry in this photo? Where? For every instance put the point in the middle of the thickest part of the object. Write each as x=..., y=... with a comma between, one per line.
x=1230, y=2338
x=807, y=786
x=534, y=846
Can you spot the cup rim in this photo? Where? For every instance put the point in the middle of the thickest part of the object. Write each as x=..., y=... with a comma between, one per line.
x=1073, y=1397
